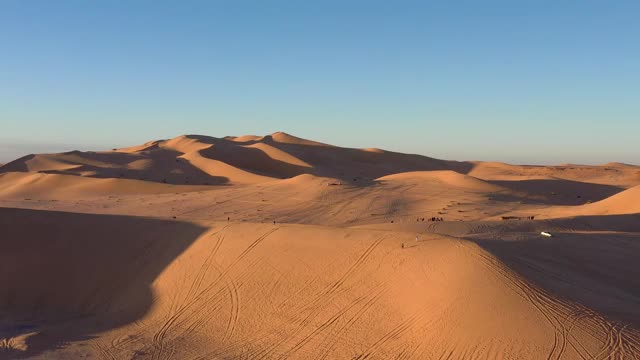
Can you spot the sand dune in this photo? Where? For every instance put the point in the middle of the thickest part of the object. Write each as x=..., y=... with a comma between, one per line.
x=244, y=138
x=234, y=290
x=211, y=160
x=553, y=191
x=278, y=247
x=16, y=185
x=284, y=138
x=253, y=159
x=609, y=174
x=625, y=202
x=448, y=177
x=151, y=145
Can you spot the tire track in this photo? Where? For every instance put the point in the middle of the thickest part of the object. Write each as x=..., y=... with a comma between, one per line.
x=103, y=352
x=175, y=308
x=552, y=308
x=321, y=300
x=331, y=289
x=159, y=337
x=322, y=327
x=121, y=341
x=327, y=295
x=332, y=340
x=530, y=294
x=233, y=316
x=203, y=310
x=204, y=268
x=395, y=333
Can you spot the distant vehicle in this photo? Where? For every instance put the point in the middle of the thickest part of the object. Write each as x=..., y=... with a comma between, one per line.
x=544, y=233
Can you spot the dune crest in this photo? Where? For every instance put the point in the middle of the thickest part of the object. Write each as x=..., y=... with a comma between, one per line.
x=449, y=177
x=278, y=247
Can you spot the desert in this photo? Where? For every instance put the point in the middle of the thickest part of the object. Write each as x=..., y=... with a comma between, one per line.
x=279, y=247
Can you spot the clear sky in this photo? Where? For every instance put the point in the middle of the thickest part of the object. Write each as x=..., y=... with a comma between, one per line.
x=517, y=81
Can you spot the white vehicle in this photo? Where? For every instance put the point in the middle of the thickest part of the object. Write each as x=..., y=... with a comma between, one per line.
x=544, y=233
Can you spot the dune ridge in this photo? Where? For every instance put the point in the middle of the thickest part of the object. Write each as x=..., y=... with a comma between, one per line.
x=278, y=247
x=210, y=160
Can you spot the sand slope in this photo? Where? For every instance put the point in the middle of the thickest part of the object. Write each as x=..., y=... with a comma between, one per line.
x=278, y=247
x=245, y=290
x=608, y=174
x=626, y=202
x=448, y=177
x=65, y=276
x=18, y=185
x=205, y=160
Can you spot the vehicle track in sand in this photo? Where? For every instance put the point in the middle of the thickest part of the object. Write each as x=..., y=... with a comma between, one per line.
x=366, y=300
x=319, y=303
x=395, y=333
x=197, y=295
x=558, y=313
x=177, y=307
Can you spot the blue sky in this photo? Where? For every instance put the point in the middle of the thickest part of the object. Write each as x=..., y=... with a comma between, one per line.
x=516, y=81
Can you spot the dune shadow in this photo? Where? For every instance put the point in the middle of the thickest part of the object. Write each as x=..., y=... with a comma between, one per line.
x=19, y=164
x=351, y=166
x=558, y=192
x=156, y=165
x=599, y=270
x=252, y=160
x=620, y=223
x=360, y=167
x=72, y=275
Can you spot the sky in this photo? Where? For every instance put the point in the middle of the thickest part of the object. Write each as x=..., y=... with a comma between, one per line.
x=536, y=82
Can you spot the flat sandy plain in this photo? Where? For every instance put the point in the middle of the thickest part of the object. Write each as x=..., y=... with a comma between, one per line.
x=277, y=247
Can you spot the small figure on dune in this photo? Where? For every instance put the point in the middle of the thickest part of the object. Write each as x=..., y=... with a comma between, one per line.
x=228, y=218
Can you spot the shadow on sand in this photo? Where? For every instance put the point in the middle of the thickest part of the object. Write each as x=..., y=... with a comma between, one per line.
x=71, y=275
x=599, y=270
x=559, y=191
x=352, y=166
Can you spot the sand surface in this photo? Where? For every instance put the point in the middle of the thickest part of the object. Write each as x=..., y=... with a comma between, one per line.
x=277, y=247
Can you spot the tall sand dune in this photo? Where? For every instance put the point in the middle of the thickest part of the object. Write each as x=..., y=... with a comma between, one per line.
x=242, y=160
